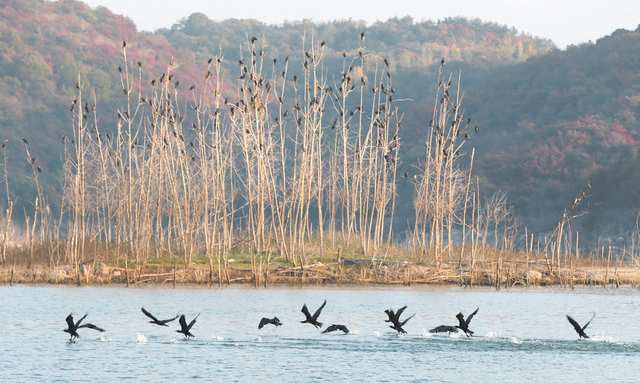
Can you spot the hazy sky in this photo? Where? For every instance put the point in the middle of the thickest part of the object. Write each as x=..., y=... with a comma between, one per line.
x=563, y=21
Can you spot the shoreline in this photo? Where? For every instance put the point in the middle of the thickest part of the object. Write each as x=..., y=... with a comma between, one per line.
x=373, y=274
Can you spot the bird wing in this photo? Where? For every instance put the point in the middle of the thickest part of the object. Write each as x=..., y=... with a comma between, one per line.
x=305, y=311
x=407, y=320
x=333, y=327
x=575, y=324
x=343, y=328
x=169, y=320
x=318, y=311
x=263, y=322
x=193, y=322
x=276, y=321
x=70, y=321
x=391, y=315
x=471, y=316
x=149, y=315
x=183, y=321
x=585, y=326
x=400, y=312
x=91, y=326
x=77, y=325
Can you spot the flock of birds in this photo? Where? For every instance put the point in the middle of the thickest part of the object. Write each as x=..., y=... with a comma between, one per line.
x=394, y=319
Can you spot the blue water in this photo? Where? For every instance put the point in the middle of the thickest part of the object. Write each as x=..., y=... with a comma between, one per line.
x=520, y=335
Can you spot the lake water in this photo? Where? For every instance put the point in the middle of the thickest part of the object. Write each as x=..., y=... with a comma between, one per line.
x=520, y=335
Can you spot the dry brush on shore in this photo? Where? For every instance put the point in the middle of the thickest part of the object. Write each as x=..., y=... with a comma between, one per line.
x=289, y=167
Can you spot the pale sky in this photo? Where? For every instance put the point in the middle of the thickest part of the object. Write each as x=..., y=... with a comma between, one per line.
x=563, y=21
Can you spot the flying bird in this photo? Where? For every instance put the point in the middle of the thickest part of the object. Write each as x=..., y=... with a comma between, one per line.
x=580, y=330
x=157, y=321
x=265, y=321
x=464, y=324
x=335, y=327
x=444, y=328
x=184, y=328
x=394, y=317
x=73, y=328
x=313, y=319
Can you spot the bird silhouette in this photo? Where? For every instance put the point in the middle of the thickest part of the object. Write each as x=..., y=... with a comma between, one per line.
x=265, y=321
x=184, y=328
x=444, y=328
x=313, y=319
x=335, y=327
x=580, y=330
x=157, y=321
x=464, y=324
x=73, y=327
x=394, y=318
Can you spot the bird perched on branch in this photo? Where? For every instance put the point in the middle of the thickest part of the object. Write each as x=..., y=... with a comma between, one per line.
x=312, y=319
x=265, y=321
x=157, y=321
x=73, y=327
x=580, y=330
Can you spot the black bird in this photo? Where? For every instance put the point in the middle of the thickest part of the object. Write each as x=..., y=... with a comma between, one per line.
x=313, y=319
x=444, y=328
x=335, y=327
x=394, y=317
x=25, y=141
x=580, y=330
x=73, y=328
x=464, y=324
x=156, y=321
x=184, y=328
x=265, y=321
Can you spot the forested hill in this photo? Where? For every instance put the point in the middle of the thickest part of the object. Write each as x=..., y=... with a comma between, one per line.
x=562, y=122
x=550, y=120
x=45, y=45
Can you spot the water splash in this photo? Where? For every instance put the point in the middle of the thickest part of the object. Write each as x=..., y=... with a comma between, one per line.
x=103, y=339
x=354, y=332
x=602, y=338
x=141, y=339
x=174, y=341
x=376, y=334
x=217, y=337
x=491, y=335
x=515, y=340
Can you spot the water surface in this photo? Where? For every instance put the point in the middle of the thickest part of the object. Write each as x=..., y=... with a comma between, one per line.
x=520, y=335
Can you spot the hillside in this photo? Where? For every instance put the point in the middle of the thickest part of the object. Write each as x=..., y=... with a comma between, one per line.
x=558, y=121
x=550, y=121
x=44, y=46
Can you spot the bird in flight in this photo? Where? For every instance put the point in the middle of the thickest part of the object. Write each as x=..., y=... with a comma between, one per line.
x=464, y=324
x=312, y=319
x=184, y=328
x=444, y=328
x=580, y=330
x=335, y=327
x=73, y=327
x=394, y=317
x=156, y=321
x=265, y=321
